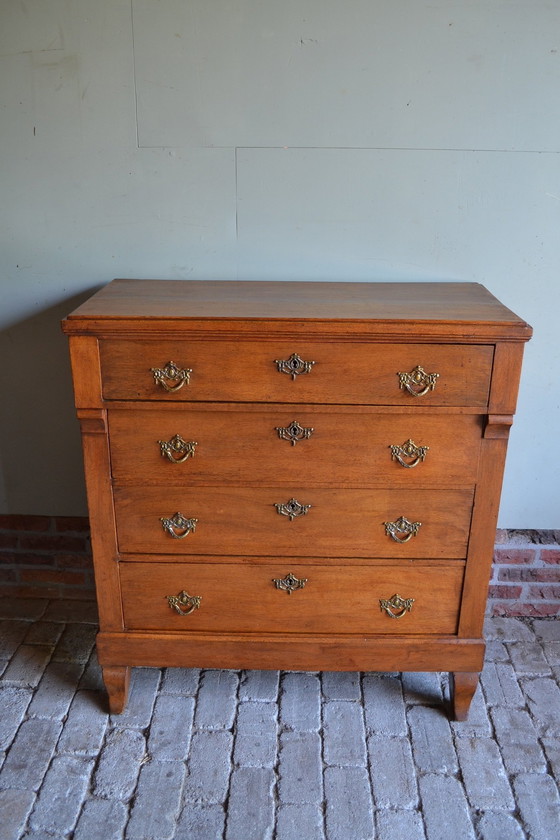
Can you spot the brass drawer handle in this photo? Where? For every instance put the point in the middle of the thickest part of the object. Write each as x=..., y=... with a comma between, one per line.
x=177, y=450
x=290, y=583
x=183, y=603
x=171, y=372
x=408, y=450
x=418, y=382
x=396, y=607
x=292, y=509
x=401, y=526
x=294, y=432
x=294, y=366
x=178, y=526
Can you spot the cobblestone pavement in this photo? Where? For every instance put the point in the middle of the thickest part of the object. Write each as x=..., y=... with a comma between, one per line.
x=223, y=755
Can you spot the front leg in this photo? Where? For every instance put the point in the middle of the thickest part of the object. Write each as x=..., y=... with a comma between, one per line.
x=117, y=681
x=463, y=687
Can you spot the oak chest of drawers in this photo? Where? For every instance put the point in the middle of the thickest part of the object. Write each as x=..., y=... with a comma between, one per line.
x=302, y=476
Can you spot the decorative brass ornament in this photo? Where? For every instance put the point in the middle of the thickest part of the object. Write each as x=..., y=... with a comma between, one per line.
x=295, y=365
x=178, y=526
x=290, y=583
x=292, y=509
x=409, y=450
x=418, y=382
x=177, y=450
x=401, y=526
x=171, y=372
x=396, y=607
x=294, y=432
x=183, y=603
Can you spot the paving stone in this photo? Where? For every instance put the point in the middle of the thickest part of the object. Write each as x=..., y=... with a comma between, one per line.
x=393, y=778
x=14, y=701
x=62, y=794
x=300, y=701
x=144, y=684
x=15, y=806
x=496, y=825
x=170, y=732
x=528, y=659
x=30, y=755
x=384, y=705
x=551, y=652
x=12, y=633
x=496, y=652
x=251, y=804
x=507, y=630
x=180, y=681
x=299, y=822
x=518, y=741
x=484, y=776
x=256, y=740
x=444, y=805
x=77, y=612
x=406, y=824
x=85, y=726
x=40, y=835
x=201, y=822
x=44, y=633
x=92, y=677
x=157, y=801
x=552, y=751
x=101, y=820
x=28, y=609
x=478, y=723
x=349, y=811
x=27, y=665
x=500, y=685
x=341, y=685
x=119, y=764
x=259, y=685
x=3, y=666
x=422, y=687
x=76, y=643
x=300, y=768
x=543, y=696
x=343, y=734
x=56, y=690
x=549, y=630
x=209, y=767
x=217, y=700
x=432, y=740
x=539, y=805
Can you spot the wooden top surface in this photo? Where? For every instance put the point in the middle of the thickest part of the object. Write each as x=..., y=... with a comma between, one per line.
x=147, y=301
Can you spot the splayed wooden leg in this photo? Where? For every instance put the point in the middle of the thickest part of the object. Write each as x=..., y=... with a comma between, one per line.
x=463, y=687
x=117, y=681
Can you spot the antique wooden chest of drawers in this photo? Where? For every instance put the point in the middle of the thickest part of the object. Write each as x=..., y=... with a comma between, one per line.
x=303, y=476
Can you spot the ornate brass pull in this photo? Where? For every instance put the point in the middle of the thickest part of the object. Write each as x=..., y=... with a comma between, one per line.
x=171, y=372
x=294, y=432
x=409, y=450
x=418, y=382
x=178, y=526
x=183, y=603
x=177, y=449
x=400, y=605
x=295, y=365
x=290, y=583
x=401, y=526
x=292, y=509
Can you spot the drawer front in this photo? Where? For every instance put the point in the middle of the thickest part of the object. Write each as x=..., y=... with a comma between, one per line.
x=276, y=371
x=186, y=445
x=315, y=598
x=276, y=521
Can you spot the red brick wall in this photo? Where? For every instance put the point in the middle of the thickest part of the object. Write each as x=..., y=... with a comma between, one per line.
x=50, y=557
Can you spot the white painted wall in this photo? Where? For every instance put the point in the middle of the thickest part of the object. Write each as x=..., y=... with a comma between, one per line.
x=302, y=139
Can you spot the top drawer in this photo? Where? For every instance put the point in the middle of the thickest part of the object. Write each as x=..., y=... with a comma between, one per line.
x=297, y=371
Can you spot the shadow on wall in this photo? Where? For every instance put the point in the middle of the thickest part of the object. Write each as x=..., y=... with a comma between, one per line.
x=40, y=451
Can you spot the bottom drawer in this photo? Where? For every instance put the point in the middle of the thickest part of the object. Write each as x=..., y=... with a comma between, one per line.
x=288, y=597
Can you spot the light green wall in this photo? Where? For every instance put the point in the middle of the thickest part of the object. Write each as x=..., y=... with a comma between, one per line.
x=302, y=139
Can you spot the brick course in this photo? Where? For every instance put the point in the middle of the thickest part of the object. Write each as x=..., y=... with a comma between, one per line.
x=50, y=557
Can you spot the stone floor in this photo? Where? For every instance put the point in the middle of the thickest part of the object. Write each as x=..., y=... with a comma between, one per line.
x=257, y=755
